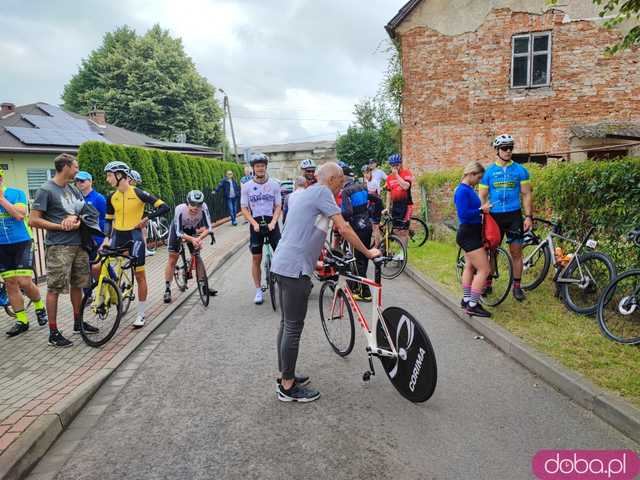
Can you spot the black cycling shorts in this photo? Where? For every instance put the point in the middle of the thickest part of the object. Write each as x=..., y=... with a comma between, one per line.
x=16, y=259
x=136, y=248
x=398, y=212
x=511, y=224
x=469, y=236
x=256, y=239
x=173, y=244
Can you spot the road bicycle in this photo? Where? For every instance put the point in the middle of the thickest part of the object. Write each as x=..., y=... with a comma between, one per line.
x=579, y=278
x=395, y=337
x=268, y=277
x=122, y=270
x=157, y=232
x=619, y=306
x=393, y=249
x=501, y=277
x=102, y=307
x=184, y=269
x=418, y=230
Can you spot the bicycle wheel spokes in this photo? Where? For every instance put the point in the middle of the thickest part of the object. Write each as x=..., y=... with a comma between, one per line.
x=126, y=289
x=500, y=279
x=337, y=319
x=619, y=309
x=101, y=309
x=588, y=275
x=418, y=232
x=536, y=265
x=395, y=249
x=180, y=274
x=460, y=262
x=203, y=281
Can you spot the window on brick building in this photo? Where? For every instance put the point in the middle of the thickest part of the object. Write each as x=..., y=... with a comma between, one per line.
x=531, y=60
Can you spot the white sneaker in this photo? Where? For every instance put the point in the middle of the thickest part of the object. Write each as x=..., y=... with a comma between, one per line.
x=139, y=323
x=150, y=253
x=259, y=298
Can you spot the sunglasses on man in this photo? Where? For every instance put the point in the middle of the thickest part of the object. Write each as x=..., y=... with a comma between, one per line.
x=507, y=147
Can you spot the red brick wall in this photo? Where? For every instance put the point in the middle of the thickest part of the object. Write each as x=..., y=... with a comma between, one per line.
x=457, y=89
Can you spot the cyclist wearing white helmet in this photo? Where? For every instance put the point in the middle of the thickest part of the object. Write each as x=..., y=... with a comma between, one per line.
x=502, y=185
x=261, y=204
x=135, y=178
x=191, y=224
x=125, y=220
x=308, y=167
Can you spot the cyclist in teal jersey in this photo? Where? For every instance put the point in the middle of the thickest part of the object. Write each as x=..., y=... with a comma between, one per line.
x=502, y=186
x=16, y=258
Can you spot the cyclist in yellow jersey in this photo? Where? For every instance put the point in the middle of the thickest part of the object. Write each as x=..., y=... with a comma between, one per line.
x=124, y=220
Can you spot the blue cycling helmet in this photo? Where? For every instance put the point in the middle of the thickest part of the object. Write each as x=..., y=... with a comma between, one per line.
x=395, y=159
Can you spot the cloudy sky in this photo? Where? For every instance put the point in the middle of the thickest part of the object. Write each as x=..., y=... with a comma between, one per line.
x=293, y=69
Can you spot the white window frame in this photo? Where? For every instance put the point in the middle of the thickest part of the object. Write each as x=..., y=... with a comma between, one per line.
x=530, y=54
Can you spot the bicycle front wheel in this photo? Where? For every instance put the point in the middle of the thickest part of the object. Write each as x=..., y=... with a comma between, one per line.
x=587, y=276
x=394, y=248
x=180, y=273
x=460, y=263
x=102, y=309
x=418, y=232
x=500, y=279
x=414, y=372
x=203, y=281
x=535, y=262
x=337, y=318
x=619, y=309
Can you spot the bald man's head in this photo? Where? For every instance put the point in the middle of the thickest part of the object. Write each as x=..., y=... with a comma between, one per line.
x=330, y=174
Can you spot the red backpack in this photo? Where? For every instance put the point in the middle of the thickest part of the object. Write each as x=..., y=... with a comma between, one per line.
x=491, y=232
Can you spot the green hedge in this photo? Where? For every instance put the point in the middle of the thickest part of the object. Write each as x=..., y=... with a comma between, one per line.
x=580, y=195
x=165, y=174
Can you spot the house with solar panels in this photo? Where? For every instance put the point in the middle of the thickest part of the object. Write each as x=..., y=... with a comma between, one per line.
x=31, y=136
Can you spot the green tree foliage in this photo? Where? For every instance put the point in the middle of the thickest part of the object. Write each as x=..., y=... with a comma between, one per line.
x=147, y=84
x=92, y=157
x=140, y=160
x=161, y=167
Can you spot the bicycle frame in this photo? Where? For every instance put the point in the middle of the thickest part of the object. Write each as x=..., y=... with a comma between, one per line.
x=376, y=312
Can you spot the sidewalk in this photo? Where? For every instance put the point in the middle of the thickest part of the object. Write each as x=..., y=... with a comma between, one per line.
x=35, y=379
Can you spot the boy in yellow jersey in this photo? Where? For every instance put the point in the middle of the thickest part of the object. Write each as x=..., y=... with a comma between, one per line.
x=124, y=219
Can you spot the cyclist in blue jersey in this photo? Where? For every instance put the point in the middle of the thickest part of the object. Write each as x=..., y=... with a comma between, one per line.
x=503, y=185
x=16, y=257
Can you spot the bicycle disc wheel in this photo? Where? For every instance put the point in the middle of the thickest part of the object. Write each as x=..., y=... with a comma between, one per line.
x=590, y=274
x=414, y=373
x=337, y=319
x=619, y=309
x=103, y=310
x=536, y=262
x=127, y=282
x=394, y=248
x=501, y=278
x=418, y=232
x=460, y=263
x=180, y=273
x=203, y=281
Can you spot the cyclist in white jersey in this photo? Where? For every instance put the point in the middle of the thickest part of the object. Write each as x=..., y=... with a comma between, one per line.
x=261, y=205
x=191, y=223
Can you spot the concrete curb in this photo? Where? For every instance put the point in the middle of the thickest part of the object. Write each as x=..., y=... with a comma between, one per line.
x=32, y=445
x=613, y=410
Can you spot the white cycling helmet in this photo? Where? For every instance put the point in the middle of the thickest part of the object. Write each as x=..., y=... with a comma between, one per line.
x=116, y=166
x=307, y=163
x=135, y=176
x=195, y=197
x=502, y=141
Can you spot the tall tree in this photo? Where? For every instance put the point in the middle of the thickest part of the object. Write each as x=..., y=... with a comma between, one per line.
x=147, y=84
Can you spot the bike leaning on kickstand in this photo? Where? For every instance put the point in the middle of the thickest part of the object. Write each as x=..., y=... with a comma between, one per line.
x=395, y=336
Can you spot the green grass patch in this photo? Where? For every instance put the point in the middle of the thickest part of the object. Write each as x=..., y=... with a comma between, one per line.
x=543, y=322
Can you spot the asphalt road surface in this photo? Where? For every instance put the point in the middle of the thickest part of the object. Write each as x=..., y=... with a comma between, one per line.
x=202, y=404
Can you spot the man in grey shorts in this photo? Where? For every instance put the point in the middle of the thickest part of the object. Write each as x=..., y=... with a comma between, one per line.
x=293, y=263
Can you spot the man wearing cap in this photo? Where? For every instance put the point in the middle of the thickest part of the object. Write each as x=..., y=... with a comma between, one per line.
x=84, y=182
x=16, y=258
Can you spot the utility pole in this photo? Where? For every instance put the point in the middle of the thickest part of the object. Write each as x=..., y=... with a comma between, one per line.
x=227, y=110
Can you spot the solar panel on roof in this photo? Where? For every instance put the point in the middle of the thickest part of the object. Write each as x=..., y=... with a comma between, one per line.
x=60, y=122
x=50, y=136
x=50, y=109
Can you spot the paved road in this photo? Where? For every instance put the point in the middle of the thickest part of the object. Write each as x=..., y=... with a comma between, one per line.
x=199, y=402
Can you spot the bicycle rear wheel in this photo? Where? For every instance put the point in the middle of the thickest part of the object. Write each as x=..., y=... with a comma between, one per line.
x=102, y=308
x=619, y=309
x=394, y=248
x=126, y=284
x=536, y=263
x=418, y=232
x=414, y=373
x=500, y=279
x=180, y=273
x=592, y=273
x=203, y=281
x=337, y=319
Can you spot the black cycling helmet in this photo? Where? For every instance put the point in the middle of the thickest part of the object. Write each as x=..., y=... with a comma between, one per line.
x=258, y=157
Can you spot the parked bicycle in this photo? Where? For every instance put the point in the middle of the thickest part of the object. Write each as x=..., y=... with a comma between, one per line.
x=268, y=278
x=157, y=232
x=619, y=306
x=579, y=279
x=396, y=337
x=184, y=269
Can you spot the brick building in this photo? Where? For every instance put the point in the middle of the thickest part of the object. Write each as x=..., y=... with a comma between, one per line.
x=473, y=70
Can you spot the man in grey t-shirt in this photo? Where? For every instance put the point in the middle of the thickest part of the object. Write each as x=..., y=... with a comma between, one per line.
x=294, y=262
x=57, y=209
